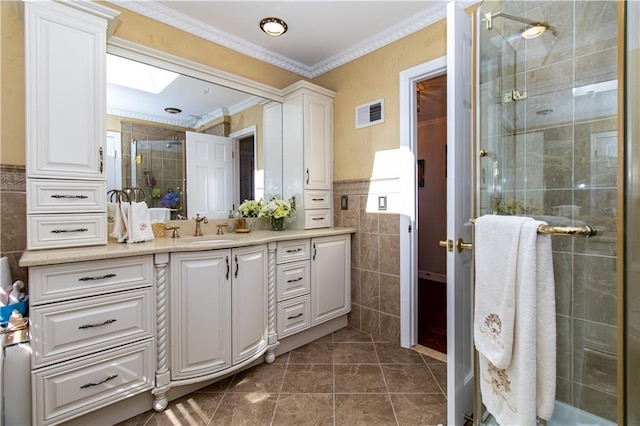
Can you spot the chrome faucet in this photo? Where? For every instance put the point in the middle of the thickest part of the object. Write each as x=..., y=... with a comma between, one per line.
x=198, y=220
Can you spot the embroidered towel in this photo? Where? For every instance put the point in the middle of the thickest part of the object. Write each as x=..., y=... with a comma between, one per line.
x=526, y=388
x=139, y=223
x=120, y=224
x=496, y=243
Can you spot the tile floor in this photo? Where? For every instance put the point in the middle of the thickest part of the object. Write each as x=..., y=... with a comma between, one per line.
x=344, y=378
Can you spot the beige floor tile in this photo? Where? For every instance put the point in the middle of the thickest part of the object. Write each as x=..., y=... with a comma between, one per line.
x=359, y=378
x=364, y=410
x=253, y=408
x=304, y=409
x=308, y=378
x=193, y=409
x=391, y=353
x=440, y=373
x=217, y=387
x=261, y=378
x=409, y=378
x=349, y=334
x=316, y=352
x=419, y=409
x=354, y=353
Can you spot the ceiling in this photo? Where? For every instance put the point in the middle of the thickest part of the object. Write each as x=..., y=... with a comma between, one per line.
x=322, y=35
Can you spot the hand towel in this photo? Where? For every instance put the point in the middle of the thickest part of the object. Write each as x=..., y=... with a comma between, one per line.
x=497, y=239
x=139, y=223
x=526, y=387
x=120, y=223
x=159, y=214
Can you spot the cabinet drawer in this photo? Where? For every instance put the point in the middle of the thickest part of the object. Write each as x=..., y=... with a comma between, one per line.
x=317, y=218
x=62, y=282
x=317, y=199
x=293, y=316
x=292, y=279
x=56, y=196
x=83, y=326
x=58, y=231
x=73, y=388
x=288, y=251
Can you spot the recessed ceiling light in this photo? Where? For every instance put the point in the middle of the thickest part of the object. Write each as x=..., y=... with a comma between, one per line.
x=173, y=110
x=273, y=26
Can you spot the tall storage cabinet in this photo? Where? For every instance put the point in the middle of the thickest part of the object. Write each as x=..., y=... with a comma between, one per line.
x=65, y=57
x=307, y=160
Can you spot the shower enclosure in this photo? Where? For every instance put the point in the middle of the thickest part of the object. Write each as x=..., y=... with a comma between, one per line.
x=547, y=126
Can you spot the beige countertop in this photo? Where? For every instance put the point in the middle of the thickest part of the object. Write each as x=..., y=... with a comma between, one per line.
x=167, y=245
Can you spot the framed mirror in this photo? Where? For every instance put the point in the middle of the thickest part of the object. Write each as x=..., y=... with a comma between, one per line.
x=191, y=138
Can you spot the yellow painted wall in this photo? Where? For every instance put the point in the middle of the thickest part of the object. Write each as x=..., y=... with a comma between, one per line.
x=366, y=79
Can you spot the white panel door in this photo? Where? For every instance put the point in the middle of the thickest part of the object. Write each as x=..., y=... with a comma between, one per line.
x=459, y=212
x=330, y=277
x=200, y=313
x=209, y=175
x=249, y=301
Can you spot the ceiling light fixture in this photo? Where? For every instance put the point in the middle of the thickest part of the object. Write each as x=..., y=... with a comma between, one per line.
x=273, y=26
x=173, y=110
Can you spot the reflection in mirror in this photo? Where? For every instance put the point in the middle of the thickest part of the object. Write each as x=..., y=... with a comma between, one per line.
x=156, y=112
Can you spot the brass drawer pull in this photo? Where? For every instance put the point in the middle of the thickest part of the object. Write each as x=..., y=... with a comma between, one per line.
x=109, y=321
x=104, y=277
x=295, y=316
x=88, y=385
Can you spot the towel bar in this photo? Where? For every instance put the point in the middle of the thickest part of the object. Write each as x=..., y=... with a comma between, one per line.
x=579, y=231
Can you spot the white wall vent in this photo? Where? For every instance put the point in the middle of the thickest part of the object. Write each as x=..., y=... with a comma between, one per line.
x=370, y=113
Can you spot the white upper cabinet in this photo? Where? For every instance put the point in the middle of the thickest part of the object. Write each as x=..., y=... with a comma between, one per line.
x=307, y=160
x=65, y=60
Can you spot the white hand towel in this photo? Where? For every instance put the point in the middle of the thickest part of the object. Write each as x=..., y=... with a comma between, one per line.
x=120, y=223
x=139, y=224
x=526, y=388
x=111, y=212
x=497, y=239
x=159, y=214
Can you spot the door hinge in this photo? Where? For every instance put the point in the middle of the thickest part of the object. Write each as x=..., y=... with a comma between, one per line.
x=409, y=229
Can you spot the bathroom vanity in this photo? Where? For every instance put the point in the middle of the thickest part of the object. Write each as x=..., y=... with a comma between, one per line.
x=114, y=321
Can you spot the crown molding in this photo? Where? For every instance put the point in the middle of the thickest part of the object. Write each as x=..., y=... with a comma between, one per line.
x=193, y=26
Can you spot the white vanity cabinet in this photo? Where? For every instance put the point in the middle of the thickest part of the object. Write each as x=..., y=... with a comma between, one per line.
x=330, y=277
x=293, y=286
x=218, y=309
x=307, y=162
x=65, y=63
x=92, y=330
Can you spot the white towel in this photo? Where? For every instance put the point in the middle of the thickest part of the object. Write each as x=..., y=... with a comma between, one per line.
x=120, y=224
x=497, y=239
x=159, y=214
x=139, y=223
x=526, y=387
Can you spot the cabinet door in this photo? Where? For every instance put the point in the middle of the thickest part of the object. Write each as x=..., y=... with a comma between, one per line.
x=318, y=136
x=330, y=277
x=249, y=301
x=65, y=91
x=200, y=313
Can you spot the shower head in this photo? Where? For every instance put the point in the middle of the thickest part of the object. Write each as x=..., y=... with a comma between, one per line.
x=531, y=30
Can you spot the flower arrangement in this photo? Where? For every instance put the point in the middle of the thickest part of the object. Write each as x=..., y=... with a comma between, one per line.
x=276, y=211
x=249, y=208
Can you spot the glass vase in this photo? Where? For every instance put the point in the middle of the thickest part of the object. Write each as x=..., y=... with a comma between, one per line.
x=277, y=224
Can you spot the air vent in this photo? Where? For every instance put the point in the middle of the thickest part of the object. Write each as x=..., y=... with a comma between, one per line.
x=370, y=113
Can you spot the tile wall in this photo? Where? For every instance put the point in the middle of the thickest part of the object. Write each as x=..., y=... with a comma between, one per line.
x=13, y=217
x=375, y=262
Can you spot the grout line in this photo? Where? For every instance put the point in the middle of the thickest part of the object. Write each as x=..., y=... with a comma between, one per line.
x=284, y=374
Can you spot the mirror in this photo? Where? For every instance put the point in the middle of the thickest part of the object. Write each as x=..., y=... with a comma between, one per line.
x=155, y=116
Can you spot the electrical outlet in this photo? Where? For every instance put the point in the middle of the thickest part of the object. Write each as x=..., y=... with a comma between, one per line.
x=344, y=202
x=382, y=202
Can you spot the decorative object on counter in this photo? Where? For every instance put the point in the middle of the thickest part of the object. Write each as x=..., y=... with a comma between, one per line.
x=170, y=199
x=132, y=222
x=276, y=211
x=241, y=225
x=159, y=229
x=250, y=208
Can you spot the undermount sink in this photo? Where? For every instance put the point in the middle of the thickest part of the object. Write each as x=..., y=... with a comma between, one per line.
x=211, y=240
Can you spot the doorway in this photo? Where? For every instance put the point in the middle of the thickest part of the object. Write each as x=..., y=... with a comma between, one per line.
x=432, y=212
x=247, y=154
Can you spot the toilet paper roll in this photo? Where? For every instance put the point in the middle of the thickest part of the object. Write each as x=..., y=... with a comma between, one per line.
x=5, y=273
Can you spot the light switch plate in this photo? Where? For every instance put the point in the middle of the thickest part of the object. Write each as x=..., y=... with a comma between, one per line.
x=382, y=202
x=344, y=202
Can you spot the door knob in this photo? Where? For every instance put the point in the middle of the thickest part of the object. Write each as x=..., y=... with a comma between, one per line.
x=461, y=245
